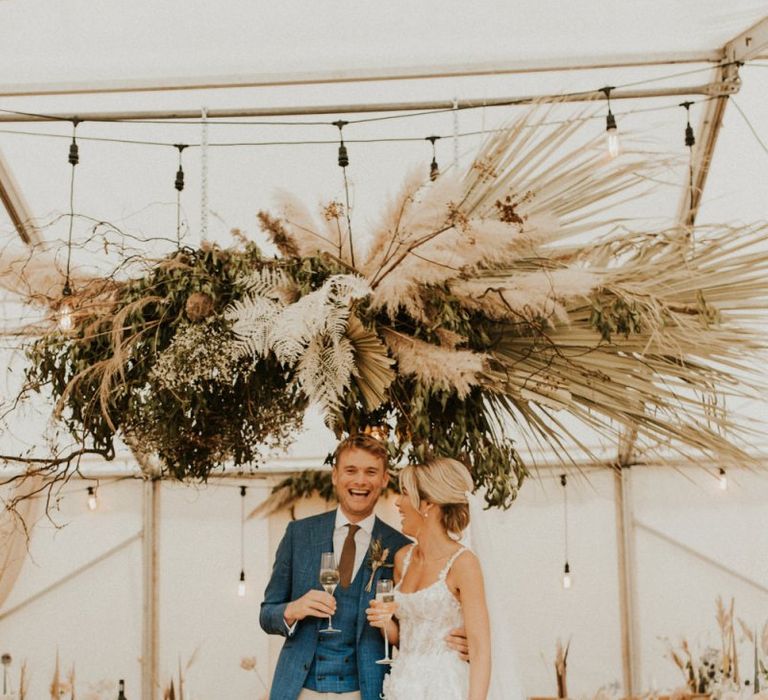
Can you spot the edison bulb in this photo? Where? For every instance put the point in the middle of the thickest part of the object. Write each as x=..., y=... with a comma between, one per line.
x=612, y=138
x=65, y=320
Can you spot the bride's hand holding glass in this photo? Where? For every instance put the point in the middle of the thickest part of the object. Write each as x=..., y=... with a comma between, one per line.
x=379, y=614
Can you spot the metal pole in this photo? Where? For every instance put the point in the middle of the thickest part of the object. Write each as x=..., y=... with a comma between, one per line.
x=150, y=619
x=360, y=75
x=709, y=89
x=18, y=210
x=625, y=544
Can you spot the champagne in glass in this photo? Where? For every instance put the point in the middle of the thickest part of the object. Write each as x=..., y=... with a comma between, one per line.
x=385, y=593
x=329, y=579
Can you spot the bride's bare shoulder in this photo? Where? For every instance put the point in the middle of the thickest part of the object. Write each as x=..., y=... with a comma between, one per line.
x=466, y=564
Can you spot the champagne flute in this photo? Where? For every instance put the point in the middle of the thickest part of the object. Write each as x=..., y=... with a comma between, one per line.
x=329, y=579
x=385, y=594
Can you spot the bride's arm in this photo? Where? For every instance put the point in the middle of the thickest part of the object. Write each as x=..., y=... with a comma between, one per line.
x=374, y=612
x=468, y=578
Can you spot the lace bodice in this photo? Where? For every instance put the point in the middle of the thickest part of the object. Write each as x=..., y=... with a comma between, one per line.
x=425, y=667
x=426, y=616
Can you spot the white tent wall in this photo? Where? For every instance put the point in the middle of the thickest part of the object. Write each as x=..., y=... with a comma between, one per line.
x=95, y=618
x=92, y=619
x=695, y=542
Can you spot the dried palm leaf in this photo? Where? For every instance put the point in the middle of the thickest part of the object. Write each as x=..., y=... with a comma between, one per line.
x=373, y=367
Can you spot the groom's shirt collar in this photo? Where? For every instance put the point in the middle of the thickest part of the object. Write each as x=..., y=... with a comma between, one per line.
x=362, y=537
x=365, y=524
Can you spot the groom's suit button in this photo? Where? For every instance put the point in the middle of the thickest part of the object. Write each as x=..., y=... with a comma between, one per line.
x=321, y=658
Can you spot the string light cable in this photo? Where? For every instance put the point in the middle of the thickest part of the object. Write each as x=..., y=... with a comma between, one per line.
x=323, y=142
x=241, y=582
x=65, y=310
x=567, y=580
x=179, y=187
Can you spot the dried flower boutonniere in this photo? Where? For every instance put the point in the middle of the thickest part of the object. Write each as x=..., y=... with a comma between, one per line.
x=377, y=559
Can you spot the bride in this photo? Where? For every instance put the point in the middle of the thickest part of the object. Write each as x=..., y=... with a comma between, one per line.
x=438, y=587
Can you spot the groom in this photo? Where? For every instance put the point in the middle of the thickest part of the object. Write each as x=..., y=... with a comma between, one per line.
x=314, y=666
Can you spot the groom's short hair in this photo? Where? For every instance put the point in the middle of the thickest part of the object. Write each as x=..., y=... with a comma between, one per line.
x=361, y=441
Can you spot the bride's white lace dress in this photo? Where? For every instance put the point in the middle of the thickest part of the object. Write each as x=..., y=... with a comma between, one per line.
x=426, y=668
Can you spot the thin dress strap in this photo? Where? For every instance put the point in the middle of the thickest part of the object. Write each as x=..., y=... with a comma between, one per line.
x=448, y=566
x=407, y=561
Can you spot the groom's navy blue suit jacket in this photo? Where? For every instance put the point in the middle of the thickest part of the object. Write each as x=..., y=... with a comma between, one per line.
x=296, y=571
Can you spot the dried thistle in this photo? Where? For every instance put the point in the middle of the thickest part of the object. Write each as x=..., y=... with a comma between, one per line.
x=333, y=211
x=506, y=209
x=485, y=168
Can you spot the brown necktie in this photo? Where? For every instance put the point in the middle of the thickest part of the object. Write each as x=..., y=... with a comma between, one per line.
x=347, y=561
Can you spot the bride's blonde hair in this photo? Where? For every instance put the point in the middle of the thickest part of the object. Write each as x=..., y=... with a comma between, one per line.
x=445, y=483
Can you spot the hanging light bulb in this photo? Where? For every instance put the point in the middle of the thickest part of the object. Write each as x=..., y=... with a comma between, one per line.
x=567, y=568
x=612, y=132
x=723, y=479
x=241, y=584
x=65, y=320
x=434, y=169
x=93, y=501
x=343, y=154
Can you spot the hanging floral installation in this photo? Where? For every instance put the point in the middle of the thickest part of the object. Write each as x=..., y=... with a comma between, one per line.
x=483, y=307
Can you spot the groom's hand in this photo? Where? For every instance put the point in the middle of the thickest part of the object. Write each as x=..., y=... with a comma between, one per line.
x=311, y=604
x=457, y=640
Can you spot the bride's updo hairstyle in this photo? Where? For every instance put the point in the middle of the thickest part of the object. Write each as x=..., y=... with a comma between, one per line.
x=445, y=483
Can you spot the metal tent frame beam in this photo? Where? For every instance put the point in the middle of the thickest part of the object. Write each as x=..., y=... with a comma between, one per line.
x=707, y=89
x=750, y=44
x=16, y=206
x=352, y=75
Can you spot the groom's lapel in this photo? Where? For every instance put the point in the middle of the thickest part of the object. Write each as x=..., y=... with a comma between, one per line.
x=321, y=537
x=365, y=572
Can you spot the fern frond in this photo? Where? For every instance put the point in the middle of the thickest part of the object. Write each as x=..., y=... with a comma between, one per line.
x=324, y=372
x=252, y=321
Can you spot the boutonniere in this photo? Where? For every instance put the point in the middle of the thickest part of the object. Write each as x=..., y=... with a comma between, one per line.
x=377, y=559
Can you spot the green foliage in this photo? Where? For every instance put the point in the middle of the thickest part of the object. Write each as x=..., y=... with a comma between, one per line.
x=194, y=429
x=171, y=382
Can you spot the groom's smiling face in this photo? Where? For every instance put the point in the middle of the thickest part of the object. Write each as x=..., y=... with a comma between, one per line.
x=359, y=478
